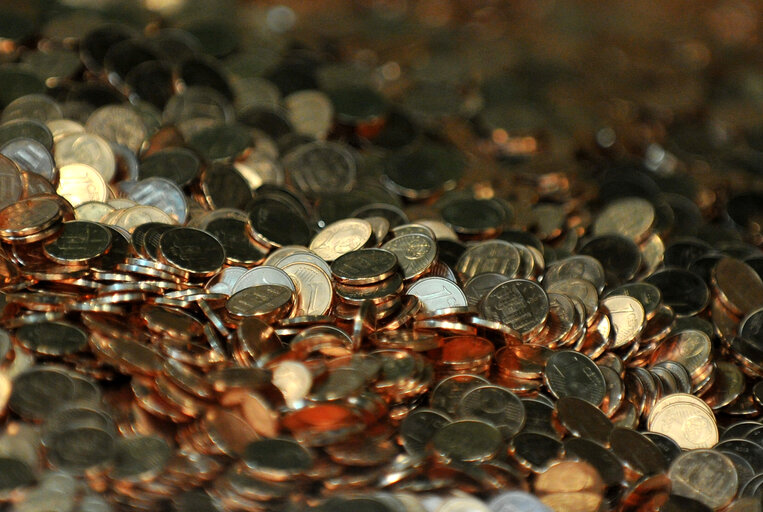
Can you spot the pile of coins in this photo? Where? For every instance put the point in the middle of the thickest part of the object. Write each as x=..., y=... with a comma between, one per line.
x=394, y=258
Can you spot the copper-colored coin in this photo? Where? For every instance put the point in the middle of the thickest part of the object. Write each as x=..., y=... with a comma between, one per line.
x=261, y=301
x=649, y=493
x=29, y=216
x=526, y=361
x=738, y=286
x=415, y=254
x=569, y=477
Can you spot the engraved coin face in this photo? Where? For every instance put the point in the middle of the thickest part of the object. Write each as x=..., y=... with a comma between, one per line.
x=192, y=250
x=264, y=274
x=321, y=167
x=495, y=405
x=120, y=124
x=80, y=183
x=707, y=476
x=259, y=300
x=32, y=156
x=364, y=266
x=627, y=316
x=341, y=237
x=89, y=149
x=492, y=256
x=415, y=253
x=519, y=303
x=162, y=194
x=686, y=419
x=570, y=373
x=314, y=288
x=437, y=293
x=79, y=242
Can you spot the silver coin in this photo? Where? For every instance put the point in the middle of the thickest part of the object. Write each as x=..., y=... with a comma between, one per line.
x=86, y=148
x=263, y=274
x=517, y=501
x=11, y=186
x=31, y=155
x=120, y=124
x=160, y=193
x=39, y=107
x=438, y=293
x=321, y=167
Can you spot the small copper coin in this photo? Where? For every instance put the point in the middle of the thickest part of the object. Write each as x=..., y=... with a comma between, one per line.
x=79, y=242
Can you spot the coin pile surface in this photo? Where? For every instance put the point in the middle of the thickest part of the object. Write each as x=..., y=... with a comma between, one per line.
x=333, y=256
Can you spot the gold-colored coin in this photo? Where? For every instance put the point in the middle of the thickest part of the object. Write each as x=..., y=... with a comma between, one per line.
x=80, y=183
x=686, y=419
x=341, y=237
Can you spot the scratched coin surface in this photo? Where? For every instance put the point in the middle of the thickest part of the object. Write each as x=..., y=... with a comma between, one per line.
x=519, y=303
x=79, y=242
x=415, y=253
x=707, y=476
x=570, y=373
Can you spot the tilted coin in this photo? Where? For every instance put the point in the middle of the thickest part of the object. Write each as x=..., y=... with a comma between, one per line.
x=192, y=250
x=495, y=405
x=437, y=293
x=519, y=303
x=467, y=440
x=570, y=373
x=705, y=475
x=415, y=253
x=79, y=183
x=686, y=419
x=628, y=318
x=491, y=256
x=79, y=242
x=341, y=237
x=364, y=266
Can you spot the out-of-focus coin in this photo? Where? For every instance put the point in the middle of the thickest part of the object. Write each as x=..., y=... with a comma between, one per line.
x=491, y=256
x=738, y=286
x=32, y=156
x=704, y=475
x=496, y=405
x=631, y=217
x=570, y=373
x=467, y=441
x=88, y=149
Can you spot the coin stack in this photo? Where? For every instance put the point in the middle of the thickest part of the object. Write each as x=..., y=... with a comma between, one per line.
x=317, y=256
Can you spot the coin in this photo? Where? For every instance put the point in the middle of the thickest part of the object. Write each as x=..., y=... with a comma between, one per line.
x=79, y=242
x=495, y=405
x=738, y=286
x=86, y=149
x=705, y=475
x=314, y=288
x=686, y=419
x=569, y=373
x=628, y=318
x=415, y=254
x=436, y=293
x=466, y=440
x=80, y=183
x=519, y=303
x=364, y=266
x=495, y=256
x=631, y=217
